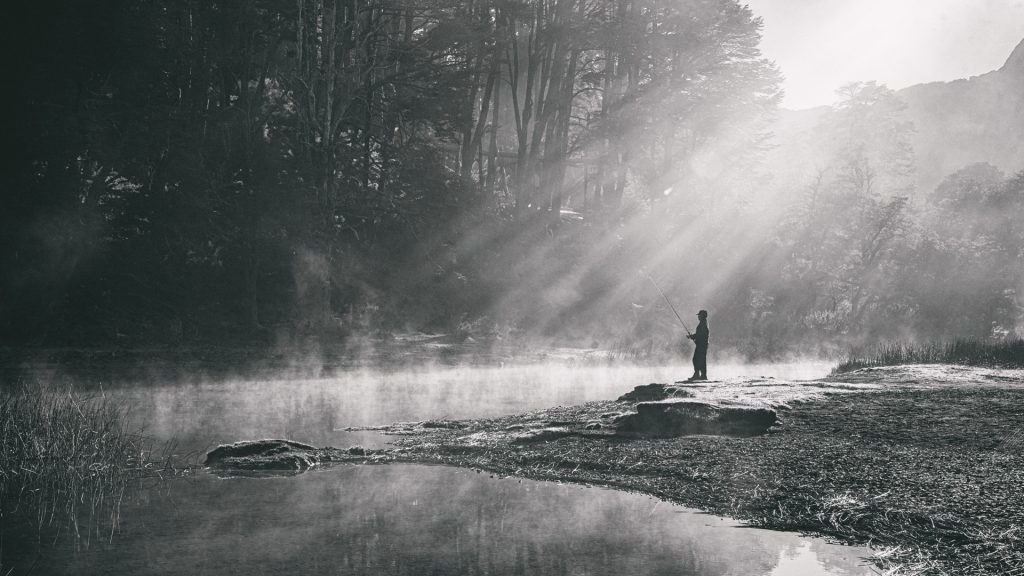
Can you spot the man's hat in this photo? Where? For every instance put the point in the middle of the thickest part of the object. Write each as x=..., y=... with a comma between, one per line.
x=702, y=313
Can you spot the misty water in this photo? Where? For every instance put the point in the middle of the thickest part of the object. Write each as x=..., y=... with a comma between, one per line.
x=202, y=414
x=409, y=519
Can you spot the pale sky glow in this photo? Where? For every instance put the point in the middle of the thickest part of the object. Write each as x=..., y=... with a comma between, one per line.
x=823, y=44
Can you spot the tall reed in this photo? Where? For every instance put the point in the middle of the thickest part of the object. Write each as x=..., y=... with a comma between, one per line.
x=67, y=461
x=1008, y=353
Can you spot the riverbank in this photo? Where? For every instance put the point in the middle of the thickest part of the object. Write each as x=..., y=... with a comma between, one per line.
x=924, y=463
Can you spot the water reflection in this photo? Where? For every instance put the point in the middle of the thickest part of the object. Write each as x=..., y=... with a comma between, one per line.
x=406, y=519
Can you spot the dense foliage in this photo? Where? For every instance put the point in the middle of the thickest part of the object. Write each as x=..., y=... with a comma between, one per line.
x=861, y=256
x=294, y=173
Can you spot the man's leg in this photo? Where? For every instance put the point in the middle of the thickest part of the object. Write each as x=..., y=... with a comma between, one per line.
x=701, y=364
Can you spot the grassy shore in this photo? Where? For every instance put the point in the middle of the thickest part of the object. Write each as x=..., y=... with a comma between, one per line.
x=1007, y=353
x=67, y=462
x=929, y=477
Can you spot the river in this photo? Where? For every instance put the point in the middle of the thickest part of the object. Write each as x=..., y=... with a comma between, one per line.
x=410, y=519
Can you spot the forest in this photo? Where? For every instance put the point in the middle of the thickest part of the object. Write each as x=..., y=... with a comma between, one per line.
x=295, y=174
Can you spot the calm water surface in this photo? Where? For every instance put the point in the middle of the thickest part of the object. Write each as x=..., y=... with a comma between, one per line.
x=405, y=519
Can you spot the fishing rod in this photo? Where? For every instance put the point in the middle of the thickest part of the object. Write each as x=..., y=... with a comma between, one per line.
x=667, y=301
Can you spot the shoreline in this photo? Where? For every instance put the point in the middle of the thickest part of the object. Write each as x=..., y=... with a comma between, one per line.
x=923, y=464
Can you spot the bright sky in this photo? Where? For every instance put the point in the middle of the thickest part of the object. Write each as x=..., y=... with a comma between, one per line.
x=823, y=44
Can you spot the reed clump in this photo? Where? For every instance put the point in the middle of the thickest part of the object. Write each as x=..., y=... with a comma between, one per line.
x=1008, y=353
x=67, y=461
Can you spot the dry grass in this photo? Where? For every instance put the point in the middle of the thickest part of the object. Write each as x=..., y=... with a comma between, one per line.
x=66, y=464
x=1001, y=354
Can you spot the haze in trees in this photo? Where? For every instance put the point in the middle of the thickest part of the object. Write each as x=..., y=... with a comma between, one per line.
x=294, y=174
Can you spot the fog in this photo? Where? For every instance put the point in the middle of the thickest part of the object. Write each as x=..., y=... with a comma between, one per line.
x=200, y=414
x=820, y=43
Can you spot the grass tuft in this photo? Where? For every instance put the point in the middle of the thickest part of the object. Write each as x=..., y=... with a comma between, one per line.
x=67, y=461
x=1007, y=353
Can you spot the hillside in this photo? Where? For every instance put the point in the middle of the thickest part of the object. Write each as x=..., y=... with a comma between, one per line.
x=977, y=119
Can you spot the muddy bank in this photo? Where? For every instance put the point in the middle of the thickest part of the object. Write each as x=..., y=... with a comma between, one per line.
x=924, y=463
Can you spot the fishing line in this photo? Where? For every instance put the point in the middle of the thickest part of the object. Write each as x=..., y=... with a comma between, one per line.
x=669, y=302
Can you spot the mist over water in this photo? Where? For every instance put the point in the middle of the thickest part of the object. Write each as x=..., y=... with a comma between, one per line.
x=414, y=519
x=199, y=415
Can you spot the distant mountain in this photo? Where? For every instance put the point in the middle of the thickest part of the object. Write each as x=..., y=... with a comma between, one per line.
x=978, y=119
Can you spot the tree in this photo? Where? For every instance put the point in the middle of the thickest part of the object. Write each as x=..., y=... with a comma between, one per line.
x=848, y=237
x=967, y=269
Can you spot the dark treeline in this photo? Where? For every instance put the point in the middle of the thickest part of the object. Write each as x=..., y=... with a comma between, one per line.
x=284, y=173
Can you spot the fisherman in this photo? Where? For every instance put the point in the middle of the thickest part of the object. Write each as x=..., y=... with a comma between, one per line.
x=700, y=352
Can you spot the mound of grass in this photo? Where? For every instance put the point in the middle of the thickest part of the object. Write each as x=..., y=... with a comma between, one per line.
x=66, y=462
x=1007, y=353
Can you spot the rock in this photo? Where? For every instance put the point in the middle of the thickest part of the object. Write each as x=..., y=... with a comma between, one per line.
x=449, y=424
x=593, y=426
x=265, y=455
x=286, y=455
x=541, y=435
x=671, y=418
x=654, y=391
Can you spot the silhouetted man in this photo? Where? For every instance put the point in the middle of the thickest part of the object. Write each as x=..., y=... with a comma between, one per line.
x=700, y=351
